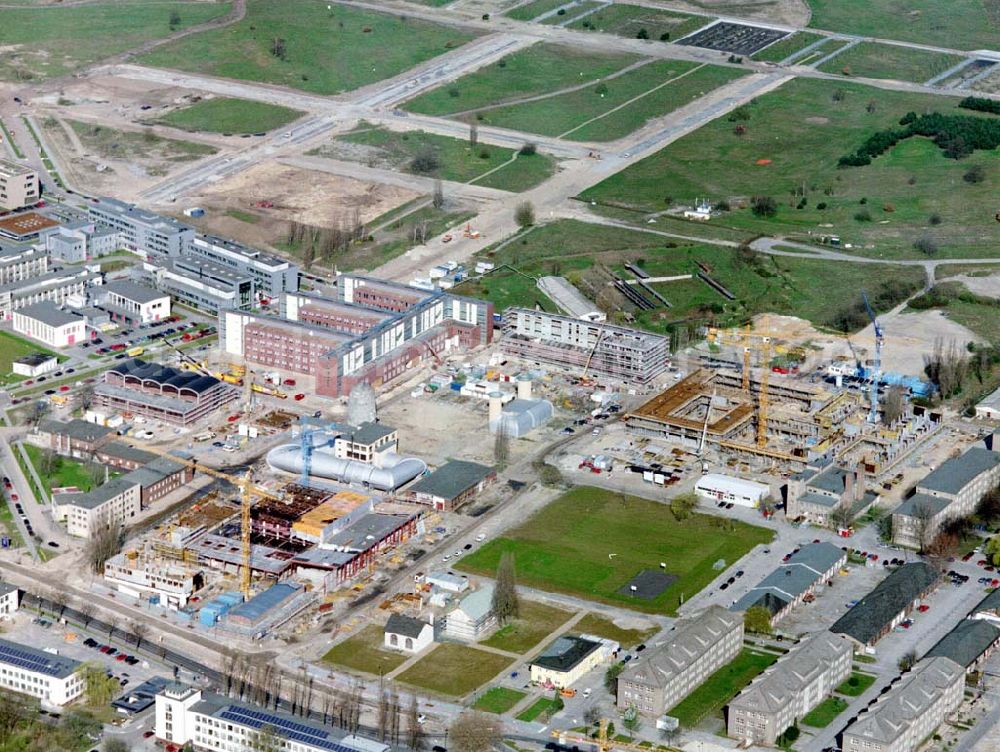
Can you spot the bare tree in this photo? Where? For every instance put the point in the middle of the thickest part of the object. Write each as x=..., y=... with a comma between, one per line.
x=473, y=134
x=414, y=731
x=524, y=214
x=473, y=731
x=87, y=611
x=112, y=622
x=501, y=448
x=279, y=48
x=139, y=629
x=59, y=596
x=923, y=517
x=893, y=405
x=104, y=543
x=437, y=200
x=394, y=713
x=843, y=515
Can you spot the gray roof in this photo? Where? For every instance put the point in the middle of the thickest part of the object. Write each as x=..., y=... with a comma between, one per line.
x=405, y=625
x=164, y=375
x=50, y=314
x=367, y=532
x=100, y=495
x=890, y=597
x=565, y=653
x=916, y=693
x=919, y=502
x=6, y=587
x=832, y=480
x=76, y=429
x=123, y=451
x=154, y=471
x=780, y=684
x=991, y=400
x=34, y=359
x=689, y=640
x=477, y=604
x=135, y=292
x=452, y=479
x=958, y=472
x=369, y=433
x=809, y=497
x=990, y=603
x=793, y=578
x=22, y=656
x=966, y=642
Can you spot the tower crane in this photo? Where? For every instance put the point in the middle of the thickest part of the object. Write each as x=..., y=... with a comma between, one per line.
x=308, y=445
x=603, y=742
x=765, y=376
x=877, y=375
x=248, y=491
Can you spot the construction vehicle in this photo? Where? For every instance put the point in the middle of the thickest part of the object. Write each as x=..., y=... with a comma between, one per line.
x=469, y=232
x=271, y=391
x=602, y=741
x=229, y=378
x=135, y=352
x=248, y=491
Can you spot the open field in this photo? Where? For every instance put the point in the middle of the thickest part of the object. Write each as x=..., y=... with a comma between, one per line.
x=535, y=622
x=961, y=24
x=441, y=157
x=133, y=146
x=540, y=69
x=225, y=115
x=784, y=285
x=364, y=652
x=872, y=60
x=453, y=669
x=532, y=10
x=980, y=314
x=565, y=546
x=781, y=49
x=602, y=627
x=323, y=50
x=855, y=685
x=632, y=20
x=721, y=687
x=881, y=209
x=63, y=473
x=564, y=16
x=40, y=42
x=824, y=713
x=13, y=347
x=539, y=710
x=498, y=700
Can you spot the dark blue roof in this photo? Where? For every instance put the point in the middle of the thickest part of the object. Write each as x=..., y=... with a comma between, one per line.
x=15, y=654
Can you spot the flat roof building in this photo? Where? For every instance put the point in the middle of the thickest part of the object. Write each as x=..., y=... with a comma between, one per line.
x=51, y=325
x=270, y=274
x=51, y=678
x=134, y=303
x=19, y=185
x=55, y=286
x=141, y=232
x=565, y=661
x=452, y=484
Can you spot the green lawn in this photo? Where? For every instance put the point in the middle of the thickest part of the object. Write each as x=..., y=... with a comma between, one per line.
x=961, y=24
x=604, y=627
x=565, y=548
x=13, y=347
x=781, y=49
x=823, y=714
x=364, y=652
x=564, y=16
x=498, y=700
x=225, y=115
x=506, y=288
x=65, y=473
x=873, y=60
x=448, y=158
x=112, y=143
x=721, y=687
x=326, y=51
x=532, y=10
x=856, y=684
x=9, y=526
x=535, y=622
x=38, y=42
x=539, y=69
x=454, y=670
x=804, y=128
x=629, y=20
x=545, y=706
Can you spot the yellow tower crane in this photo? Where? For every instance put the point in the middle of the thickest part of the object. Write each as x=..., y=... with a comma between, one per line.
x=248, y=491
x=765, y=374
x=603, y=742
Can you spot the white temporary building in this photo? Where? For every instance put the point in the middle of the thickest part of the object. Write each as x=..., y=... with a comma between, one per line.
x=718, y=487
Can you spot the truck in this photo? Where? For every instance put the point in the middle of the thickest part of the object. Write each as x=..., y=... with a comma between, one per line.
x=135, y=352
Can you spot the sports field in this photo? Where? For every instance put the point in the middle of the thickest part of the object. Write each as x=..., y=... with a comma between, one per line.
x=38, y=42
x=788, y=143
x=872, y=60
x=959, y=24
x=590, y=542
x=225, y=115
x=327, y=48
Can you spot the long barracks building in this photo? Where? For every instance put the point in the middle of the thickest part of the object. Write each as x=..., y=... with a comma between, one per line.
x=372, y=332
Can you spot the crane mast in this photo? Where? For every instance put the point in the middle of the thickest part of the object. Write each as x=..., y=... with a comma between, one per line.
x=877, y=373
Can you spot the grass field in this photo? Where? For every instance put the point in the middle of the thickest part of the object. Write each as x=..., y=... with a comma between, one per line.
x=364, y=652
x=960, y=24
x=13, y=347
x=531, y=627
x=40, y=42
x=454, y=670
x=532, y=10
x=564, y=16
x=856, y=684
x=781, y=49
x=823, y=714
x=225, y=115
x=64, y=473
x=815, y=124
x=721, y=687
x=454, y=159
x=630, y=20
x=565, y=546
x=602, y=627
x=112, y=143
x=576, y=250
x=543, y=707
x=498, y=700
x=873, y=60
x=326, y=51
x=540, y=69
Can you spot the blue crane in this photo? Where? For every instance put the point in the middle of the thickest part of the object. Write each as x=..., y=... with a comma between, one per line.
x=308, y=445
x=877, y=374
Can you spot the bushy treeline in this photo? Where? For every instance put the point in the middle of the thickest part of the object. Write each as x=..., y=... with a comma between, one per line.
x=981, y=105
x=957, y=135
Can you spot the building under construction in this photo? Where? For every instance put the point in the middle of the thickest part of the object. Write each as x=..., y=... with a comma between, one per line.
x=614, y=351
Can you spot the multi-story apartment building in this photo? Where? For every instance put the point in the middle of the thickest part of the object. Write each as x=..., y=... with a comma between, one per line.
x=613, y=351
x=53, y=679
x=951, y=491
x=139, y=231
x=904, y=717
x=695, y=649
x=213, y=723
x=19, y=185
x=10, y=598
x=113, y=503
x=788, y=690
x=271, y=276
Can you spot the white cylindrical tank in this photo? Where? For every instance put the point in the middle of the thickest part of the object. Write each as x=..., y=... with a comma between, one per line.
x=496, y=406
x=523, y=388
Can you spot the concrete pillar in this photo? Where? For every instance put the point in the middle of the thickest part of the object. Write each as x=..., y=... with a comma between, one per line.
x=496, y=406
x=524, y=388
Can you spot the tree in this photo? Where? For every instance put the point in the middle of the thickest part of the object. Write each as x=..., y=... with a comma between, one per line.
x=38, y=410
x=524, y=214
x=278, y=48
x=893, y=405
x=473, y=134
x=975, y=174
x=611, y=677
x=266, y=740
x=926, y=245
x=681, y=506
x=763, y=206
x=414, y=730
x=501, y=448
x=12, y=716
x=425, y=162
x=100, y=688
x=505, y=604
x=140, y=629
x=87, y=611
x=842, y=515
x=757, y=619
x=631, y=720
x=59, y=596
x=104, y=543
x=437, y=199
x=175, y=20
x=923, y=515
x=97, y=474
x=943, y=546
x=473, y=731
x=993, y=550
x=528, y=149
x=907, y=660
x=115, y=745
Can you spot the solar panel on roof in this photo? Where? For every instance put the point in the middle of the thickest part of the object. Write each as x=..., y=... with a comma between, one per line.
x=30, y=661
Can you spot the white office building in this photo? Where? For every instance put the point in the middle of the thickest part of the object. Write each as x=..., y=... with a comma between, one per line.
x=51, y=325
x=743, y=493
x=135, y=303
x=53, y=679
